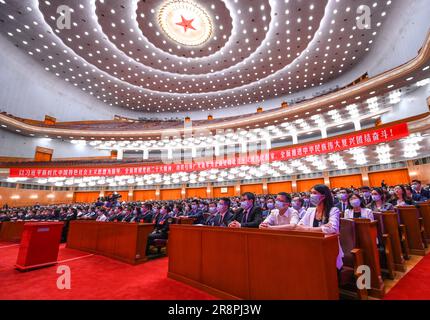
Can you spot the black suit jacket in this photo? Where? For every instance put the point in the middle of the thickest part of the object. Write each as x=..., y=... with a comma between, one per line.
x=340, y=205
x=254, y=219
x=217, y=222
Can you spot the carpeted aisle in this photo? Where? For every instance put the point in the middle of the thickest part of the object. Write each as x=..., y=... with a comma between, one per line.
x=92, y=277
x=415, y=285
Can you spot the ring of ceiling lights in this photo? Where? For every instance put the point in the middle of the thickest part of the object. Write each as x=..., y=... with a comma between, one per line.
x=186, y=60
x=162, y=82
x=91, y=61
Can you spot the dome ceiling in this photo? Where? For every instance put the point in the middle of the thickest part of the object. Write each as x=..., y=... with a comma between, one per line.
x=190, y=55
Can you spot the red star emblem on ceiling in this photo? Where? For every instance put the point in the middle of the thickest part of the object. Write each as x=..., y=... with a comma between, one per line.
x=187, y=24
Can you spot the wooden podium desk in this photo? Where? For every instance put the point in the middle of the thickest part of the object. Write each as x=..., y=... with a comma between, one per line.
x=255, y=264
x=118, y=240
x=12, y=230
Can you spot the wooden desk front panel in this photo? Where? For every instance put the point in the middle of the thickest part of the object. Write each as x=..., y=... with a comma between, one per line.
x=121, y=241
x=224, y=262
x=185, y=250
x=11, y=231
x=255, y=264
x=290, y=269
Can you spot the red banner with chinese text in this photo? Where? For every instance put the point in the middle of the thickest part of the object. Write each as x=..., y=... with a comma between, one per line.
x=353, y=140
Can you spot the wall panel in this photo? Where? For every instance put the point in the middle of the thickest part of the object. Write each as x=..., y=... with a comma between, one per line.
x=276, y=187
x=144, y=195
x=254, y=188
x=391, y=178
x=307, y=185
x=346, y=181
x=170, y=194
x=86, y=197
x=196, y=193
x=31, y=197
x=217, y=192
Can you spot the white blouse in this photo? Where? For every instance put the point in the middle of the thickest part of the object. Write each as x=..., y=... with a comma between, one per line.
x=331, y=227
x=365, y=214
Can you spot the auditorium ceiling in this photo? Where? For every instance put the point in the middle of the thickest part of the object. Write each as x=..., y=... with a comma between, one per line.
x=190, y=55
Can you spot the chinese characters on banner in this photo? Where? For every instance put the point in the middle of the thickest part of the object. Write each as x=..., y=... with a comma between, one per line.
x=358, y=139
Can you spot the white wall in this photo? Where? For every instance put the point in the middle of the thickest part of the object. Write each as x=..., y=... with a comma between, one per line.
x=14, y=145
x=28, y=91
x=409, y=106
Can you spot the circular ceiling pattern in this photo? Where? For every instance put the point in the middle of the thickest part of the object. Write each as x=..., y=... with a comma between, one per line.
x=248, y=50
x=185, y=22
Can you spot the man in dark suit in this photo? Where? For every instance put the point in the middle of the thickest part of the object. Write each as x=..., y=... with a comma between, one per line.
x=250, y=215
x=224, y=215
x=367, y=196
x=161, y=229
x=196, y=213
x=418, y=192
x=146, y=214
x=343, y=204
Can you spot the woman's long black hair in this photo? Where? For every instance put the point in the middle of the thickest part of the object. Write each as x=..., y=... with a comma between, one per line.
x=328, y=200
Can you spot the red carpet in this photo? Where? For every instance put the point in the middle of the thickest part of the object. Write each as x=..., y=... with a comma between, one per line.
x=415, y=285
x=92, y=277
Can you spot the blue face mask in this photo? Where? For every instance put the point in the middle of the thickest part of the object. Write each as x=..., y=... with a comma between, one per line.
x=355, y=202
x=212, y=210
x=244, y=204
x=270, y=205
x=342, y=196
x=376, y=197
x=220, y=207
x=279, y=205
x=295, y=205
x=315, y=199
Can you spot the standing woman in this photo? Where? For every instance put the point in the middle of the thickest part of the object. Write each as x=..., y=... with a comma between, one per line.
x=356, y=209
x=323, y=216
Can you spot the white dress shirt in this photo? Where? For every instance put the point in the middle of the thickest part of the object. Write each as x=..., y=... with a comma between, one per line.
x=101, y=218
x=291, y=216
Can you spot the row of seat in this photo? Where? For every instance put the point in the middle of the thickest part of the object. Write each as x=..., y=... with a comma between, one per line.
x=383, y=245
